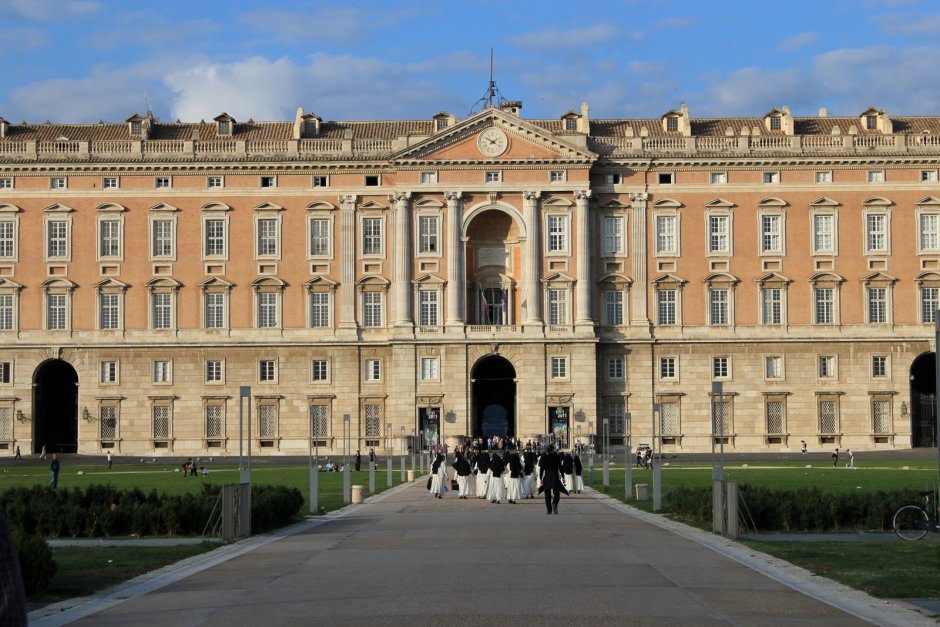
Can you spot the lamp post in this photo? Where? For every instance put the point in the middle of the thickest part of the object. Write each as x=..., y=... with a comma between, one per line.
x=388, y=453
x=244, y=399
x=314, y=468
x=591, y=453
x=606, y=455
x=718, y=470
x=627, y=468
x=347, y=490
x=403, y=453
x=656, y=458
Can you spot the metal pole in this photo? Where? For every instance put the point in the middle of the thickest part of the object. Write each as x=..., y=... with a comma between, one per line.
x=244, y=398
x=388, y=454
x=403, y=453
x=347, y=489
x=606, y=456
x=718, y=472
x=656, y=459
x=314, y=477
x=627, y=467
x=591, y=453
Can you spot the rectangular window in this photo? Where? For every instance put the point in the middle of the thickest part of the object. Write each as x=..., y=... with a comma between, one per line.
x=929, y=232
x=615, y=369
x=109, y=182
x=879, y=366
x=6, y=312
x=267, y=310
x=163, y=182
x=57, y=239
x=827, y=366
x=771, y=234
x=214, y=421
x=666, y=235
x=876, y=227
x=672, y=124
x=876, y=176
x=214, y=182
x=440, y=124
x=215, y=238
x=557, y=233
x=428, y=234
x=770, y=178
x=213, y=371
x=775, y=417
x=669, y=419
x=372, y=309
x=161, y=372
x=928, y=176
x=666, y=306
x=773, y=367
x=107, y=417
x=613, y=235
x=718, y=178
x=373, y=370
x=162, y=245
x=55, y=312
x=556, y=176
x=881, y=416
x=319, y=309
x=824, y=176
x=718, y=306
x=57, y=182
x=6, y=375
x=613, y=179
x=493, y=177
x=372, y=236
x=720, y=367
x=215, y=310
x=319, y=370
x=320, y=420
x=320, y=237
x=718, y=234
x=320, y=180
x=6, y=182
x=824, y=233
x=877, y=305
x=109, y=238
x=667, y=368
x=162, y=310
x=557, y=306
x=108, y=311
x=775, y=123
x=267, y=371
x=372, y=180
x=929, y=302
x=613, y=307
x=108, y=371
x=824, y=305
x=429, y=369
x=428, y=178
x=7, y=239
x=427, y=308
x=268, y=181
x=373, y=423
x=771, y=305
x=871, y=122
x=161, y=422
x=267, y=420
x=666, y=178
x=559, y=367
x=828, y=417
x=267, y=237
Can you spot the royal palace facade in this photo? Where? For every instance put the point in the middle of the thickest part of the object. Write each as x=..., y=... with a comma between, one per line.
x=421, y=281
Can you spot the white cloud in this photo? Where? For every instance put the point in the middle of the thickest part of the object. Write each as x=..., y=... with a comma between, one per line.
x=753, y=91
x=48, y=10
x=800, y=41
x=558, y=39
x=905, y=25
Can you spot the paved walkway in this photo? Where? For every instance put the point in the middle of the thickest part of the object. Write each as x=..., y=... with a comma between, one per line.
x=407, y=559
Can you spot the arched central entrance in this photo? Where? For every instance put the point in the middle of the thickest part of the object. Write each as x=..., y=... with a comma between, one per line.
x=494, y=397
x=924, y=400
x=55, y=407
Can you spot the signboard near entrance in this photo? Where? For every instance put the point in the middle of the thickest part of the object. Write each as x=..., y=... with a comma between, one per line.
x=431, y=426
x=559, y=423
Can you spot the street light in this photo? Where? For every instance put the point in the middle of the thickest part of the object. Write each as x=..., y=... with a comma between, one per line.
x=656, y=458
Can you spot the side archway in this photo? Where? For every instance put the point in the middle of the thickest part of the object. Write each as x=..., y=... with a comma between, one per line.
x=924, y=401
x=55, y=407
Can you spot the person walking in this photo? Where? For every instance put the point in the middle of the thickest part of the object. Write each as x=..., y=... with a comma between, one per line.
x=462, y=468
x=578, y=472
x=567, y=471
x=481, y=463
x=495, y=488
x=18, y=456
x=803, y=447
x=372, y=459
x=514, y=482
x=438, y=476
x=835, y=458
x=848, y=452
x=358, y=460
x=110, y=460
x=54, y=467
x=550, y=474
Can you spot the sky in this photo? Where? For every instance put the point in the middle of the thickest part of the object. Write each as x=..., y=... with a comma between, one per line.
x=90, y=60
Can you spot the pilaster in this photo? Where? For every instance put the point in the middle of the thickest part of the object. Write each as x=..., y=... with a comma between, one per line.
x=639, y=306
x=402, y=267
x=347, y=286
x=532, y=259
x=583, y=254
x=455, y=273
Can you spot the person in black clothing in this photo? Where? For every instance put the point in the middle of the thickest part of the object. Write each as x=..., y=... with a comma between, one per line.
x=514, y=484
x=578, y=471
x=54, y=472
x=482, y=464
x=495, y=490
x=550, y=474
x=372, y=457
x=462, y=467
x=567, y=469
x=528, y=469
x=358, y=460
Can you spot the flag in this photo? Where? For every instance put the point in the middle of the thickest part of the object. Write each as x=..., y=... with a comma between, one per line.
x=485, y=306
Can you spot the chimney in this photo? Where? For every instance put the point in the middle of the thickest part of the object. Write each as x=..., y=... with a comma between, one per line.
x=511, y=106
x=584, y=122
x=4, y=127
x=822, y=112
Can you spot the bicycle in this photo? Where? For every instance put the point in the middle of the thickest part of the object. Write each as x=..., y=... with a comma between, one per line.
x=912, y=522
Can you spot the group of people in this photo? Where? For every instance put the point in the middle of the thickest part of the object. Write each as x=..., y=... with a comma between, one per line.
x=509, y=476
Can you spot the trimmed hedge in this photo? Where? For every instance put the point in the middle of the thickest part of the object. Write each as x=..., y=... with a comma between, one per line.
x=102, y=511
x=800, y=510
x=36, y=563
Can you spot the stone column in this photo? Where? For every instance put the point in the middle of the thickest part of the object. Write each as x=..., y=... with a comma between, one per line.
x=347, y=259
x=532, y=259
x=403, y=259
x=584, y=247
x=639, y=314
x=455, y=273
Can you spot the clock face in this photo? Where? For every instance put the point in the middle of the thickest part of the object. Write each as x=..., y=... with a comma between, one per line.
x=492, y=142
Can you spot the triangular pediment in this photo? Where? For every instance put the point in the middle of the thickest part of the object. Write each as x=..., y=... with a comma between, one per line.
x=524, y=142
x=7, y=284
x=772, y=277
x=428, y=203
x=558, y=277
x=668, y=279
x=824, y=202
x=928, y=200
x=719, y=203
x=320, y=281
x=112, y=283
x=878, y=277
x=667, y=203
x=556, y=201
x=429, y=279
x=6, y=207
x=58, y=208
x=613, y=203
x=371, y=204
x=268, y=206
x=162, y=206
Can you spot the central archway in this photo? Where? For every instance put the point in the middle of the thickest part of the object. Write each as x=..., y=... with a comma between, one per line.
x=494, y=397
x=55, y=407
x=924, y=401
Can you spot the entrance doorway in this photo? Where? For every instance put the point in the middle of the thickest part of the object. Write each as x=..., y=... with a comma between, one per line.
x=924, y=401
x=494, y=398
x=55, y=407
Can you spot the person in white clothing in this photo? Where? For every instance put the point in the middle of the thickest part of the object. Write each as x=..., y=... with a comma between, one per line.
x=481, y=465
x=495, y=490
x=462, y=469
x=514, y=480
x=438, y=477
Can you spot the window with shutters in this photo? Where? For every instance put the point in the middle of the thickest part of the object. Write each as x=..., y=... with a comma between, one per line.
x=7, y=311
x=929, y=302
x=57, y=239
x=267, y=310
x=929, y=241
x=268, y=237
x=109, y=239
x=109, y=311
x=876, y=228
x=428, y=308
x=771, y=305
x=429, y=235
x=666, y=306
x=215, y=310
x=828, y=409
x=667, y=235
x=824, y=305
x=824, y=234
x=613, y=240
x=877, y=305
x=7, y=239
x=319, y=309
x=557, y=233
x=718, y=306
x=372, y=236
x=557, y=306
x=214, y=246
x=320, y=237
x=162, y=240
x=372, y=309
x=771, y=234
x=161, y=310
x=719, y=234
x=613, y=307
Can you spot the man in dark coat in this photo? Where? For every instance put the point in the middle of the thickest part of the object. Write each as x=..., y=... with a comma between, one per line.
x=358, y=460
x=550, y=474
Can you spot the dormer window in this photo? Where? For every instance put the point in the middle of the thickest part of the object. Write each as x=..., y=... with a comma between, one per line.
x=775, y=123
x=441, y=123
x=135, y=128
x=672, y=124
x=571, y=124
x=871, y=122
x=225, y=128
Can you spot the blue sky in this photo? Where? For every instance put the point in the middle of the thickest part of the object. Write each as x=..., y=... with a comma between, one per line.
x=85, y=60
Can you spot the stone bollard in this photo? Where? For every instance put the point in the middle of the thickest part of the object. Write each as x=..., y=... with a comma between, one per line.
x=642, y=491
x=358, y=494
x=411, y=476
